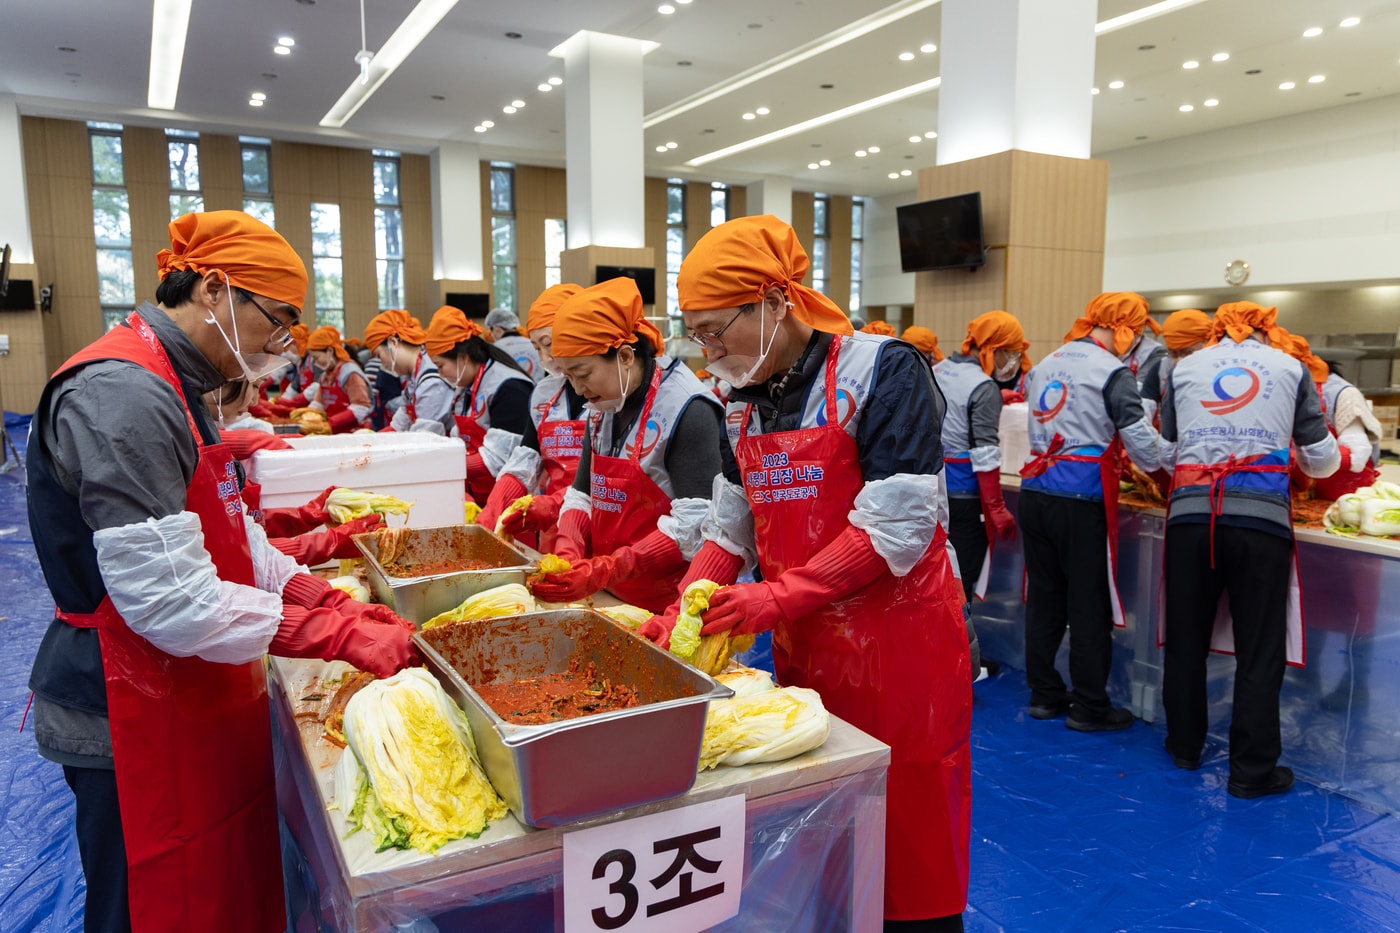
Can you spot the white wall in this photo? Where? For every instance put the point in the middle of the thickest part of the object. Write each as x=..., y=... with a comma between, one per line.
x=883, y=283
x=1307, y=198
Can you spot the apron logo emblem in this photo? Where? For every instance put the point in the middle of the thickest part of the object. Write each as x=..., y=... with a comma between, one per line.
x=1230, y=393
x=1044, y=411
x=650, y=438
x=845, y=409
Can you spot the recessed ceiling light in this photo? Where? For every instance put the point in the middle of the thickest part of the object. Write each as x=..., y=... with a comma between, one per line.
x=517, y=104
x=660, y=148
x=683, y=2
x=1349, y=22
x=906, y=172
x=762, y=111
x=258, y=95
x=1093, y=90
x=488, y=123
x=665, y=9
x=1317, y=79
x=1220, y=57
x=255, y=103
x=861, y=153
x=872, y=149
x=749, y=116
x=915, y=139
x=507, y=109
x=930, y=135
x=1114, y=85
x=281, y=50
x=824, y=163
x=1186, y=108
x=813, y=166
x=1191, y=64
x=1210, y=103
x=556, y=81
x=928, y=48
x=894, y=175
x=672, y=145
x=546, y=88
x=906, y=56
x=1312, y=33
x=1287, y=86
x=288, y=41
x=479, y=128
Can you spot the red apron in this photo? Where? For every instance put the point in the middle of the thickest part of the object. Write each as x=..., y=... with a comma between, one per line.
x=1342, y=482
x=334, y=398
x=191, y=739
x=891, y=659
x=1109, y=467
x=468, y=428
x=626, y=507
x=561, y=443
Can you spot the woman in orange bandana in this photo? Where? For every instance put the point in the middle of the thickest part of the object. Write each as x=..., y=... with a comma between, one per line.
x=491, y=412
x=1183, y=332
x=1125, y=314
x=397, y=339
x=925, y=341
x=341, y=391
x=879, y=329
x=833, y=482
x=631, y=520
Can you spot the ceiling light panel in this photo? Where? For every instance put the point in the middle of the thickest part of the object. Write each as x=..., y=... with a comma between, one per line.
x=170, y=22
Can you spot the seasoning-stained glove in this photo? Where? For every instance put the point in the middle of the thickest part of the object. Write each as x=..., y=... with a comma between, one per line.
x=1011, y=397
x=845, y=565
x=290, y=522
x=575, y=533
x=508, y=488
x=480, y=482
x=711, y=562
x=540, y=515
x=656, y=554
x=315, y=547
x=319, y=621
x=999, y=519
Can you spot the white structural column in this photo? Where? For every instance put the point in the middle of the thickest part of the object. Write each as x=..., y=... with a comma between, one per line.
x=14, y=204
x=603, y=141
x=771, y=194
x=456, y=171
x=1016, y=74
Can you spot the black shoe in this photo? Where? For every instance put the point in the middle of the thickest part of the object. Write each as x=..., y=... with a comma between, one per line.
x=1182, y=762
x=1116, y=718
x=992, y=667
x=1280, y=782
x=1049, y=710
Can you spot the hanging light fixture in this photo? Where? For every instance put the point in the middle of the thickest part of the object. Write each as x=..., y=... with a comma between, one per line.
x=364, y=56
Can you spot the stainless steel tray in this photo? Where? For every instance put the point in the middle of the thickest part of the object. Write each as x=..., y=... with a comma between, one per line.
x=570, y=770
x=418, y=599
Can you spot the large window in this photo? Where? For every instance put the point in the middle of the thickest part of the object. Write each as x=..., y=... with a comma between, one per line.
x=182, y=151
x=675, y=242
x=327, y=266
x=257, y=178
x=821, y=242
x=111, y=224
x=719, y=203
x=555, y=236
x=388, y=229
x=503, y=234
x=857, y=249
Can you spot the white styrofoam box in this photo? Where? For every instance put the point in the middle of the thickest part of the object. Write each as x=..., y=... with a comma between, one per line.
x=1015, y=436
x=419, y=467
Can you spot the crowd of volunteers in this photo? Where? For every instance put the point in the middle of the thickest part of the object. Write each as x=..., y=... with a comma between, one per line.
x=851, y=479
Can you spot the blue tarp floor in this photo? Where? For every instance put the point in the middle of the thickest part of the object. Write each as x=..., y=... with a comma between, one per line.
x=1069, y=832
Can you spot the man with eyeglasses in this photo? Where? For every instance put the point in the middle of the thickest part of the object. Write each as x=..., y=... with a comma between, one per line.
x=149, y=683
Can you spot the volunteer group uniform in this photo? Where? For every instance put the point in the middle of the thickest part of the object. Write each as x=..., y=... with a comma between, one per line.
x=832, y=479
x=1232, y=410
x=516, y=345
x=341, y=391
x=1147, y=353
x=425, y=402
x=1084, y=409
x=1183, y=332
x=168, y=597
x=1358, y=435
x=631, y=520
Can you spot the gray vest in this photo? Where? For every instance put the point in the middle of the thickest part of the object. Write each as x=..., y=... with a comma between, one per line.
x=1065, y=397
x=478, y=406
x=958, y=379
x=524, y=353
x=1331, y=389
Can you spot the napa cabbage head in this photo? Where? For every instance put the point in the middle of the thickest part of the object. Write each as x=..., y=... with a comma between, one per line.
x=685, y=637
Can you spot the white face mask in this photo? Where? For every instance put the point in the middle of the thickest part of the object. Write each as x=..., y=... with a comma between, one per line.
x=611, y=406
x=1008, y=372
x=255, y=366
x=730, y=367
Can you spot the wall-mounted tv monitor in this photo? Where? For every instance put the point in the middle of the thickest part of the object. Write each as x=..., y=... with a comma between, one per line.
x=644, y=277
x=470, y=303
x=4, y=269
x=945, y=233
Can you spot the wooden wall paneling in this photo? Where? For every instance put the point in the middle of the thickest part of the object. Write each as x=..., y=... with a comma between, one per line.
x=487, y=269
x=359, y=268
x=839, y=262
x=697, y=212
x=323, y=173
x=738, y=201
x=221, y=172
x=655, y=200
x=1058, y=202
x=291, y=202
x=989, y=175
x=146, y=163
x=802, y=223
x=416, y=195
x=577, y=265
x=23, y=370
x=945, y=301
x=1049, y=288
x=532, y=208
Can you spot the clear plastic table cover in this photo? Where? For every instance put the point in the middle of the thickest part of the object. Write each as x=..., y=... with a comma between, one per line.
x=816, y=829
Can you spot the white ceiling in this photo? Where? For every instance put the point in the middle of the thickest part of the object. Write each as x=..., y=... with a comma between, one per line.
x=470, y=62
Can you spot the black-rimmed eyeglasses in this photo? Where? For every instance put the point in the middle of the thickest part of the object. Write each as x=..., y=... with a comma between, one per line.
x=712, y=340
x=281, y=332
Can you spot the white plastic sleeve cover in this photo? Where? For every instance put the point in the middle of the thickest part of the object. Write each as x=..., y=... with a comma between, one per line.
x=163, y=583
x=1149, y=409
x=1351, y=407
x=901, y=515
x=729, y=521
x=426, y=425
x=1354, y=438
x=496, y=449
x=1323, y=458
x=271, y=568
x=1143, y=444
x=312, y=394
x=361, y=412
x=1167, y=454
x=401, y=421
x=573, y=499
x=985, y=459
x=683, y=524
x=523, y=464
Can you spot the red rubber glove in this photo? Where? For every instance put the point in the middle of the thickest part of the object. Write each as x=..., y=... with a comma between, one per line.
x=508, y=488
x=343, y=421
x=575, y=533
x=994, y=508
x=653, y=555
x=319, y=621
x=284, y=403
x=1011, y=397
x=290, y=522
x=317, y=547
x=711, y=562
x=845, y=565
x=541, y=515
x=244, y=442
x=259, y=410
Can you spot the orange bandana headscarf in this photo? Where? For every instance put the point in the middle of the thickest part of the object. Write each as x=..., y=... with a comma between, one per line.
x=600, y=318
x=300, y=334
x=253, y=255
x=1124, y=313
x=327, y=338
x=448, y=328
x=737, y=262
x=1240, y=319
x=879, y=329
x=394, y=323
x=1299, y=348
x=545, y=307
x=1184, y=329
x=993, y=331
x=924, y=340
